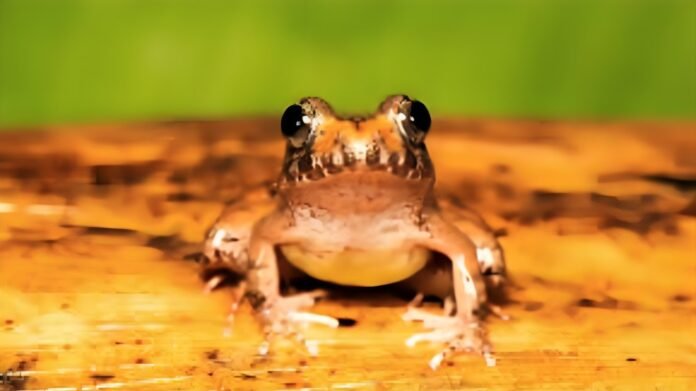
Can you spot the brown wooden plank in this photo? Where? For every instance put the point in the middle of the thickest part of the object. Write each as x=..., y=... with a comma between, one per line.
x=95, y=290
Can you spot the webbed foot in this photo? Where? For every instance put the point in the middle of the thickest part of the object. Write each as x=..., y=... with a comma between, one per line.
x=286, y=317
x=459, y=335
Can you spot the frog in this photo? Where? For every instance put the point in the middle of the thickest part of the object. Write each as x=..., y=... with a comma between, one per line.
x=354, y=204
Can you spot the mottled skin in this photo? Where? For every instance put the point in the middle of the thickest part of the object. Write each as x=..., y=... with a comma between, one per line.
x=354, y=205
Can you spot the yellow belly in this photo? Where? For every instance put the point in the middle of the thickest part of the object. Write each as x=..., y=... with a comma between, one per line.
x=358, y=267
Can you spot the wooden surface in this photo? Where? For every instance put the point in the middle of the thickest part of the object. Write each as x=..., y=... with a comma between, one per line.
x=98, y=289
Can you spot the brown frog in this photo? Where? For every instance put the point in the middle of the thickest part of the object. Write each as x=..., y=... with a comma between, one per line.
x=354, y=205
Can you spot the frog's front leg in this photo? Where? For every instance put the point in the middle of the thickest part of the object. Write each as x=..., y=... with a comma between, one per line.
x=280, y=315
x=488, y=249
x=463, y=330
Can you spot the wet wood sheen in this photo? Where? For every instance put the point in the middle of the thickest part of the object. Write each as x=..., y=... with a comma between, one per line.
x=99, y=225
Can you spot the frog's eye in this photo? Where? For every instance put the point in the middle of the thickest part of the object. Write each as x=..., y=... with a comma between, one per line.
x=419, y=116
x=293, y=120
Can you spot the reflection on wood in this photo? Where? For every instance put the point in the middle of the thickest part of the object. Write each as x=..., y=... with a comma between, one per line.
x=99, y=227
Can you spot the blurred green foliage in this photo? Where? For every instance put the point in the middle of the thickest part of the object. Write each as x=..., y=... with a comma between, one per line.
x=65, y=61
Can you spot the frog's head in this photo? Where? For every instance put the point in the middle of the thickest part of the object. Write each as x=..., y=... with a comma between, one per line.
x=321, y=144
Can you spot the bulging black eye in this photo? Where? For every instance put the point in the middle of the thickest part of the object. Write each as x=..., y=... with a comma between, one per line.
x=292, y=120
x=419, y=116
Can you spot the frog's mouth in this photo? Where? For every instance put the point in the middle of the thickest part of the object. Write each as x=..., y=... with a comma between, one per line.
x=358, y=267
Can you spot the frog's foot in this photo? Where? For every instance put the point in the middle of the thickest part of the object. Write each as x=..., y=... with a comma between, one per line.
x=285, y=317
x=459, y=335
x=413, y=313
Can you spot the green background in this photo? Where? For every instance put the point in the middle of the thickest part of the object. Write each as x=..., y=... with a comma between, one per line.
x=71, y=61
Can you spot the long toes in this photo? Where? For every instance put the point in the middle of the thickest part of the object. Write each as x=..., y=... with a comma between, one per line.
x=416, y=301
x=303, y=300
x=311, y=346
x=413, y=314
x=309, y=318
x=433, y=336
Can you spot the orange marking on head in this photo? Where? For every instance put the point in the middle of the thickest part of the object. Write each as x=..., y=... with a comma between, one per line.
x=386, y=130
x=326, y=135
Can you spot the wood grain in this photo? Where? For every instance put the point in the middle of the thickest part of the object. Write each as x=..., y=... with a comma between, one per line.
x=98, y=289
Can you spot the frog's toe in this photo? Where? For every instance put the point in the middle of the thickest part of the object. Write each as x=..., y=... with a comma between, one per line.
x=459, y=336
x=286, y=318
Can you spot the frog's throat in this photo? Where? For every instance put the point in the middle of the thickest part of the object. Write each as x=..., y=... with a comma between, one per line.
x=358, y=267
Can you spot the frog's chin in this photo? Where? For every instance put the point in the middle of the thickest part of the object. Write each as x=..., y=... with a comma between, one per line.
x=364, y=268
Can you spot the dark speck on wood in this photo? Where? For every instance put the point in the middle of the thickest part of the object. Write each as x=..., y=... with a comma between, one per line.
x=101, y=377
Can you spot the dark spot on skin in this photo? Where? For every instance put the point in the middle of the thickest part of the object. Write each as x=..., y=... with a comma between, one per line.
x=681, y=298
x=212, y=355
x=631, y=359
x=533, y=306
x=347, y=322
x=101, y=377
